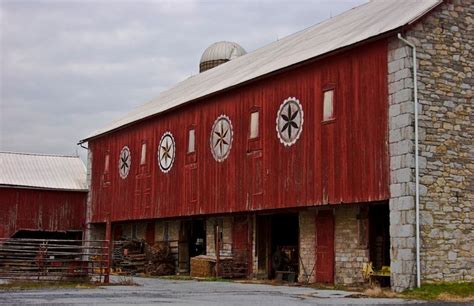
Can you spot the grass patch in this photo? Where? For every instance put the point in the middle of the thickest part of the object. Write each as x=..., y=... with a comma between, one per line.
x=199, y=279
x=212, y=279
x=175, y=277
x=458, y=292
x=32, y=285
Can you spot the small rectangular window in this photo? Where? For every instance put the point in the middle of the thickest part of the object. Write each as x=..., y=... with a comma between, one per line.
x=106, y=163
x=328, y=105
x=191, y=147
x=143, y=156
x=254, y=125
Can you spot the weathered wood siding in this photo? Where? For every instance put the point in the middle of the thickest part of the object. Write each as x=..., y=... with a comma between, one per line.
x=40, y=210
x=339, y=162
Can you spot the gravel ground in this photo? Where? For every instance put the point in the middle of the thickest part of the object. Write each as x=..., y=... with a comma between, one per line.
x=179, y=292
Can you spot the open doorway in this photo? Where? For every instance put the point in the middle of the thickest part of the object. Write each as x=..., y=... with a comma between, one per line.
x=192, y=242
x=277, y=246
x=379, y=240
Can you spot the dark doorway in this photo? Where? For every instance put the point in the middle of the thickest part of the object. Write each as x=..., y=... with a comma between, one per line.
x=67, y=235
x=263, y=246
x=379, y=235
x=277, y=246
x=325, y=247
x=192, y=242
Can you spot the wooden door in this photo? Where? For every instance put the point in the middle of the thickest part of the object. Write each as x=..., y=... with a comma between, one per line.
x=325, y=247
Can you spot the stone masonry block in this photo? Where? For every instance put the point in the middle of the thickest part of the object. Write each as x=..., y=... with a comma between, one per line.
x=401, y=121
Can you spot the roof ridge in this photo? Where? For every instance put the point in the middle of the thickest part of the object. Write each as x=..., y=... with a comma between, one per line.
x=39, y=154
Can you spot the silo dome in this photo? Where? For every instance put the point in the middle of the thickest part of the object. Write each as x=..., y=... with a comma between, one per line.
x=219, y=53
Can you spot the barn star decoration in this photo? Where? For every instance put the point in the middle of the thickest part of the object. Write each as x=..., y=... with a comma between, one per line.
x=289, y=121
x=166, y=152
x=221, y=138
x=124, y=162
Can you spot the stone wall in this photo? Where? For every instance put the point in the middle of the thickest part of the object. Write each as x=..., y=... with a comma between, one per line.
x=349, y=254
x=307, y=247
x=167, y=230
x=402, y=162
x=444, y=44
x=226, y=232
x=444, y=41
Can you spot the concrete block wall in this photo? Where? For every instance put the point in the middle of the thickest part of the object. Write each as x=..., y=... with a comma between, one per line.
x=349, y=254
x=307, y=246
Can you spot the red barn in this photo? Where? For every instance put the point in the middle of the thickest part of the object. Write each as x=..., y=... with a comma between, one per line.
x=42, y=196
x=289, y=155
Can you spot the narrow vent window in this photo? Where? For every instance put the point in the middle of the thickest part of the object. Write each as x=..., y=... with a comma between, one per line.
x=143, y=155
x=254, y=125
x=191, y=141
x=328, y=105
x=106, y=163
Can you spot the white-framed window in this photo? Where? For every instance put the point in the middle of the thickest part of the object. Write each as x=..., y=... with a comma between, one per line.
x=191, y=140
x=143, y=155
x=328, y=105
x=106, y=163
x=254, y=128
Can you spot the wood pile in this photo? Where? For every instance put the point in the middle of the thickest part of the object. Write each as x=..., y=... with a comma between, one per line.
x=137, y=256
x=159, y=260
x=128, y=256
x=234, y=267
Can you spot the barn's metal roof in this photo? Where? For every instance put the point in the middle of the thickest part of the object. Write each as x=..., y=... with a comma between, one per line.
x=42, y=171
x=356, y=25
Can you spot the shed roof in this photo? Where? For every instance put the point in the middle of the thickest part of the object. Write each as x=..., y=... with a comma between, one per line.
x=356, y=25
x=42, y=171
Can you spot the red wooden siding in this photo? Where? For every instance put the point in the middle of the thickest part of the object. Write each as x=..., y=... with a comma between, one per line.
x=342, y=161
x=40, y=210
x=325, y=247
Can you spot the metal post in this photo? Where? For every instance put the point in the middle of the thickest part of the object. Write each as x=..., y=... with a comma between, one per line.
x=217, y=246
x=108, y=250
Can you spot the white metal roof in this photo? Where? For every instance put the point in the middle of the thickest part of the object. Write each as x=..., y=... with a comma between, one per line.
x=356, y=25
x=42, y=171
x=222, y=50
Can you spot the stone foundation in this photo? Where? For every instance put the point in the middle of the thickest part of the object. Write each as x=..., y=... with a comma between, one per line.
x=349, y=254
x=307, y=245
x=226, y=249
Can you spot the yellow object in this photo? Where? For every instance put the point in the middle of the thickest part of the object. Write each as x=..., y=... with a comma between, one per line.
x=367, y=270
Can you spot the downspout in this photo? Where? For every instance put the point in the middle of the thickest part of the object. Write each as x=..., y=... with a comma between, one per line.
x=417, y=171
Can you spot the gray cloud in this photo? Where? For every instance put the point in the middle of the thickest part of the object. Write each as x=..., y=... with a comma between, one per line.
x=68, y=68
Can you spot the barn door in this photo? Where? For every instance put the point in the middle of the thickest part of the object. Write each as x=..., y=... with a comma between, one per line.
x=325, y=247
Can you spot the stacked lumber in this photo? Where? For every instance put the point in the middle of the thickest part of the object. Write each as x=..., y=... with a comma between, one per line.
x=128, y=256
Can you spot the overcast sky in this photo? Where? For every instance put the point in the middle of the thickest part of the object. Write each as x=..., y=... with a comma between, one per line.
x=70, y=67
